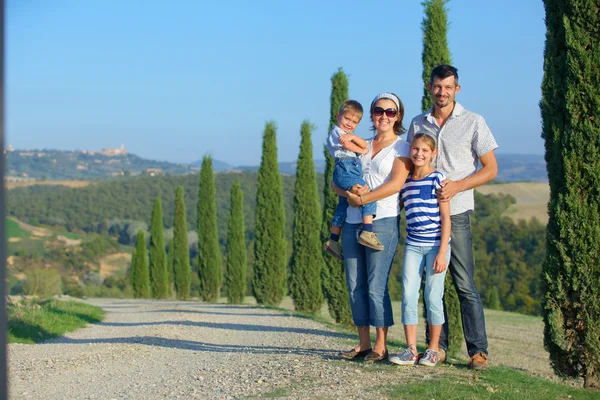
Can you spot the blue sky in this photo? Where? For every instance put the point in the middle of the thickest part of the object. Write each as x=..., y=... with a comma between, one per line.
x=173, y=80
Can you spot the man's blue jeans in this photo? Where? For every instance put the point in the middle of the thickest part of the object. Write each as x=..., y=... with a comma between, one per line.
x=347, y=173
x=367, y=273
x=462, y=270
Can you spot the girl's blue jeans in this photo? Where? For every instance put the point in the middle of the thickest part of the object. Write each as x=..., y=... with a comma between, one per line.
x=417, y=259
x=367, y=273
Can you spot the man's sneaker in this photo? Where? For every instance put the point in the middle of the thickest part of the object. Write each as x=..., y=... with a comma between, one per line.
x=334, y=248
x=478, y=361
x=430, y=359
x=406, y=357
x=370, y=239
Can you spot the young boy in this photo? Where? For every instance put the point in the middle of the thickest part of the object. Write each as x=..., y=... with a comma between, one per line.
x=345, y=147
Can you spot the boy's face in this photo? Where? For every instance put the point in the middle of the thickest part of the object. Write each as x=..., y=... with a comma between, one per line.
x=348, y=121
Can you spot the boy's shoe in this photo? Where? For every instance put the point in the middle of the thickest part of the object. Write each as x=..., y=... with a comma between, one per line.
x=406, y=357
x=370, y=239
x=478, y=361
x=430, y=359
x=333, y=248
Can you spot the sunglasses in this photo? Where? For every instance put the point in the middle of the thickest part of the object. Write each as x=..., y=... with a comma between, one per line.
x=390, y=112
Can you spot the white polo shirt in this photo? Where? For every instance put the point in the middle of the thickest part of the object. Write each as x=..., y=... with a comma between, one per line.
x=376, y=171
x=461, y=141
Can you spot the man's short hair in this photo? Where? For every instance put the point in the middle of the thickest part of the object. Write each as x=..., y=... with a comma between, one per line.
x=444, y=71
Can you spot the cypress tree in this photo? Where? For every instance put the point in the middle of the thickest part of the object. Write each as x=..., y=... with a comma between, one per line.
x=570, y=110
x=306, y=262
x=269, y=281
x=236, y=248
x=210, y=270
x=159, y=277
x=493, y=299
x=170, y=266
x=333, y=276
x=436, y=52
x=140, y=279
x=435, y=43
x=179, y=247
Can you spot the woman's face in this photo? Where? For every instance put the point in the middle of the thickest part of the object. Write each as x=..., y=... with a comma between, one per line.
x=382, y=122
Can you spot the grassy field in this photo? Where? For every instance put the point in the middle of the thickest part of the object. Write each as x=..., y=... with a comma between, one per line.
x=13, y=230
x=72, y=184
x=36, y=321
x=532, y=199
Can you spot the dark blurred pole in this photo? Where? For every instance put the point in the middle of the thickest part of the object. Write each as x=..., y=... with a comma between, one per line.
x=3, y=364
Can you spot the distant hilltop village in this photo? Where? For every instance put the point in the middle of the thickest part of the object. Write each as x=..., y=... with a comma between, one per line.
x=109, y=151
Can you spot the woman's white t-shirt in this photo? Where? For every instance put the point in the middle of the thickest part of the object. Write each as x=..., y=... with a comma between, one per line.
x=377, y=171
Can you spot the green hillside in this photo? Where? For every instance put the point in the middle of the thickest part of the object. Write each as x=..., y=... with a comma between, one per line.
x=13, y=230
x=59, y=164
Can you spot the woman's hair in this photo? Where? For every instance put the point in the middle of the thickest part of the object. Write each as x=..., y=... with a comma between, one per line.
x=398, y=127
x=427, y=138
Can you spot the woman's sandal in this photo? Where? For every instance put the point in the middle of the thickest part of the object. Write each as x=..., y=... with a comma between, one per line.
x=374, y=357
x=353, y=354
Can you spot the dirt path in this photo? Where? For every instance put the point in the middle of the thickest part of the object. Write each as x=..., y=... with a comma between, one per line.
x=186, y=350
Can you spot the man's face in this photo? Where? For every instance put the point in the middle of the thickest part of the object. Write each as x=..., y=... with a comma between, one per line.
x=443, y=91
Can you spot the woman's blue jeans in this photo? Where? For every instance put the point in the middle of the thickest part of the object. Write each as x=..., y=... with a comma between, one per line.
x=416, y=260
x=367, y=273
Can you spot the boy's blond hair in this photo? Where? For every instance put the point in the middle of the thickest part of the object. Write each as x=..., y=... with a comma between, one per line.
x=352, y=106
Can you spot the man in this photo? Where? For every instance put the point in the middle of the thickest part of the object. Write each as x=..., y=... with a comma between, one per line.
x=464, y=139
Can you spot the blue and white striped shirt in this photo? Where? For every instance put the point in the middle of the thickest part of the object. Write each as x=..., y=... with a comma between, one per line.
x=424, y=226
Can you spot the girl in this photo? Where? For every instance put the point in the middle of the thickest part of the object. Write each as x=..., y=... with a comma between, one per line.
x=427, y=247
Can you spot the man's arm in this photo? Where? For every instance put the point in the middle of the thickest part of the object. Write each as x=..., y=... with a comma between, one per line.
x=488, y=171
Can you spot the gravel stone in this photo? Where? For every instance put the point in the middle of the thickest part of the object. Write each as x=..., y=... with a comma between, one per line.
x=150, y=349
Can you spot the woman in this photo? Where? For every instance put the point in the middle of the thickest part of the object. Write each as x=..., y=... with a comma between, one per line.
x=386, y=165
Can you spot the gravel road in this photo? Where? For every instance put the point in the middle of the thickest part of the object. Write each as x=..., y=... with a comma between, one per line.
x=147, y=349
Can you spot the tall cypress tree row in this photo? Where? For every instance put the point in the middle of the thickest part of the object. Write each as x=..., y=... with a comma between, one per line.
x=140, y=275
x=436, y=52
x=179, y=247
x=236, y=247
x=570, y=109
x=435, y=43
x=333, y=276
x=306, y=262
x=159, y=277
x=269, y=282
x=210, y=270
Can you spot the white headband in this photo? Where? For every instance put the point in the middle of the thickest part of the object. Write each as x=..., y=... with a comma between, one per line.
x=388, y=96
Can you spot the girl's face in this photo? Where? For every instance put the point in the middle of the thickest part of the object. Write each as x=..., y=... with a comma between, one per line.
x=381, y=120
x=421, y=153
